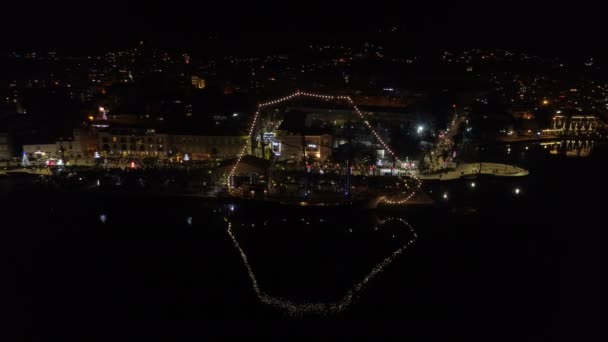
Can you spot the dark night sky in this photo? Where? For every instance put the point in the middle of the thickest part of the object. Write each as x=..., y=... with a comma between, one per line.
x=432, y=24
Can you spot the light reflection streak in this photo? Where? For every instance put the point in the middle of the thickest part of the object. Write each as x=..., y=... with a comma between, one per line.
x=341, y=305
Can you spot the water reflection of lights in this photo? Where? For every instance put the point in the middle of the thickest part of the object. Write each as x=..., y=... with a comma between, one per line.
x=189, y=220
x=408, y=196
x=103, y=218
x=294, y=308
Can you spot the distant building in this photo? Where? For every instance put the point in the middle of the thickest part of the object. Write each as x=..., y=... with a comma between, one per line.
x=41, y=151
x=6, y=151
x=381, y=101
x=138, y=143
x=339, y=115
x=208, y=146
x=294, y=146
x=81, y=145
x=523, y=114
x=75, y=149
x=573, y=122
x=199, y=83
x=142, y=143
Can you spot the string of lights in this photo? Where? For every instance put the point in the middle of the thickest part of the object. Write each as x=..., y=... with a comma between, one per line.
x=407, y=196
x=244, y=149
x=293, y=308
x=325, y=97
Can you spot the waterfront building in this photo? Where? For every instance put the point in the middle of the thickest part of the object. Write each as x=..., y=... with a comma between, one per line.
x=5, y=146
x=573, y=122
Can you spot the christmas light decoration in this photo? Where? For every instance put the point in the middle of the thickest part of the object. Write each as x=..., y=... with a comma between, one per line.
x=333, y=98
x=24, y=161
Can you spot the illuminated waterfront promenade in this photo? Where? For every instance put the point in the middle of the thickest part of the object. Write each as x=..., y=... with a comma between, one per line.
x=473, y=169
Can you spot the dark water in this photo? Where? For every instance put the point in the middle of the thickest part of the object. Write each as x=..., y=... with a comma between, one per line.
x=486, y=263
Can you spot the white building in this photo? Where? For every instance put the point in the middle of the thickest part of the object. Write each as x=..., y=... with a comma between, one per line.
x=40, y=151
x=5, y=146
x=81, y=145
x=148, y=143
x=132, y=144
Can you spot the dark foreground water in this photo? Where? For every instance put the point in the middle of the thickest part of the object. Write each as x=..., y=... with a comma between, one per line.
x=487, y=263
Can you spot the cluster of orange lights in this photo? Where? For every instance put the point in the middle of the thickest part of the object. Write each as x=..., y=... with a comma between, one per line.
x=323, y=97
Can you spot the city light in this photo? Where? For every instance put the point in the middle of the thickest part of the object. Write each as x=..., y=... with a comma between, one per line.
x=298, y=93
x=290, y=158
